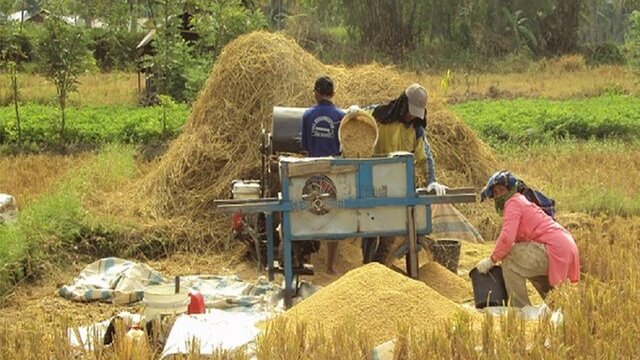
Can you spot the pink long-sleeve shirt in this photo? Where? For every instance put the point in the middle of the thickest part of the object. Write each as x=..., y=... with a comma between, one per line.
x=524, y=221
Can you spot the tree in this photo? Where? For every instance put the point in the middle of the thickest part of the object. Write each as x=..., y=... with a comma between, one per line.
x=389, y=26
x=64, y=57
x=7, y=7
x=11, y=55
x=89, y=10
x=632, y=42
x=518, y=30
x=171, y=55
x=561, y=35
x=33, y=6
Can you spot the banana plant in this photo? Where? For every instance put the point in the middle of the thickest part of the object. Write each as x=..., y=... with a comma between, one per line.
x=517, y=28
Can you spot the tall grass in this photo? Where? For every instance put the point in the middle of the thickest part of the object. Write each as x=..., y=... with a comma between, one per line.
x=51, y=226
x=592, y=177
x=541, y=80
x=95, y=89
x=28, y=176
x=600, y=320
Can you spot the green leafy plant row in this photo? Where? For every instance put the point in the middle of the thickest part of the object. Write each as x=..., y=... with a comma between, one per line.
x=93, y=125
x=539, y=120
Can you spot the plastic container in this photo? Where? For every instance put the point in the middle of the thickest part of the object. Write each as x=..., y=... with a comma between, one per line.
x=489, y=289
x=447, y=254
x=246, y=189
x=363, y=116
x=162, y=300
x=196, y=303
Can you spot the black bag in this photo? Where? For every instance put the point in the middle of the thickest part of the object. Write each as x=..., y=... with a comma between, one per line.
x=547, y=204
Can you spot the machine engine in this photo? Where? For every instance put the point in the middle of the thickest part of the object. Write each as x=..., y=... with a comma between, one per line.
x=250, y=229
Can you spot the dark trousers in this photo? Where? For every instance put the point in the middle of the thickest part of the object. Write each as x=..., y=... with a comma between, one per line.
x=375, y=249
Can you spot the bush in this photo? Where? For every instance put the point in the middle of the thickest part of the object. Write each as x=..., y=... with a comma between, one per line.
x=114, y=50
x=15, y=46
x=603, y=54
x=569, y=63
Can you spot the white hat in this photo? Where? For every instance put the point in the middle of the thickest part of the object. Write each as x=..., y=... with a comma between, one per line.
x=417, y=96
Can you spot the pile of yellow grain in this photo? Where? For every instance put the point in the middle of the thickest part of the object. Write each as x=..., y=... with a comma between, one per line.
x=358, y=135
x=377, y=300
x=445, y=282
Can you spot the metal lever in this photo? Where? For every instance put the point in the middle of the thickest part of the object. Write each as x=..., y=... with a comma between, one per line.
x=317, y=202
x=315, y=196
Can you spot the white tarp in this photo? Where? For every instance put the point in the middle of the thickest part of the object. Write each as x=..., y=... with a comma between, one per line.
x=228, y=291
x=8, y=208
x=112, y=280
x=216, y=330
x=87, y=336
x=233, y=306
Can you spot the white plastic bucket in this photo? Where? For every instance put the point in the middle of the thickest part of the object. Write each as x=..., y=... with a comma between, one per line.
x=162, y=300
x=246, y=189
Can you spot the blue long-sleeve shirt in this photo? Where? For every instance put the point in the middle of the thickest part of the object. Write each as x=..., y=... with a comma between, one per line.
x=320, y=125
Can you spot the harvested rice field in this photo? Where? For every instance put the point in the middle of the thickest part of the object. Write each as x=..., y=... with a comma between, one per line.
x=160, y=215
x=445, y=282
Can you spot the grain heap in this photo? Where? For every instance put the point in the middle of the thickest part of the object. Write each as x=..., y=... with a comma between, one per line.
x=444, y=281
x=220, y=140
x=376, y=299
x=358, y=135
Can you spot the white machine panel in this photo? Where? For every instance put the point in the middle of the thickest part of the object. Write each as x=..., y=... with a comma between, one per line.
x=351, y=222
x=390, y=180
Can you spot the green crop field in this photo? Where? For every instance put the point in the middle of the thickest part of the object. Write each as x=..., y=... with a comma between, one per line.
x=93, y=125
x=535, y=120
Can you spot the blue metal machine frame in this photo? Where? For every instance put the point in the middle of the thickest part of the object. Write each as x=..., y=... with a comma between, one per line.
x=365, y=198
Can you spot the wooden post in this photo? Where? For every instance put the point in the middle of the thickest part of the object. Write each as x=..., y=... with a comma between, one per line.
x=413, y=252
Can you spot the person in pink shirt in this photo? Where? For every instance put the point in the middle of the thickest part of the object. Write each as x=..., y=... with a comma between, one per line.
x=531, y=244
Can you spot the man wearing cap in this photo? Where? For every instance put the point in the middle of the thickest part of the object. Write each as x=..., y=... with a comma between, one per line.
x=320, y=125
x=401, y=127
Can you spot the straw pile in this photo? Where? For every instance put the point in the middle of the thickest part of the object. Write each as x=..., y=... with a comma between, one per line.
x=460, y=156
x=219, y=142
x=358, y=135
x=376, y=299
x=444, y=281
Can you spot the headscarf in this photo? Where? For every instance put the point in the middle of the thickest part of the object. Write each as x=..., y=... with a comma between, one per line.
x=396, y=111
x=501, y=200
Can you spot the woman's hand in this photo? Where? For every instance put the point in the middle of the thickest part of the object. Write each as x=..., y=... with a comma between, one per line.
x=485, y=265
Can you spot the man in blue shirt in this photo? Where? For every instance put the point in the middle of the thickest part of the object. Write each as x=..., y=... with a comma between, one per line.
x=320, y=123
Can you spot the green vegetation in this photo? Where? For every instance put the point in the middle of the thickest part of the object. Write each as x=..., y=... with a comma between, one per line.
x=60, y=219
x=93, y=125
x=539, y=120
x=64, y=58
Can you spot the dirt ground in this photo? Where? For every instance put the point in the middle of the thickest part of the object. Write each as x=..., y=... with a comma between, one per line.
x=39, y=301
